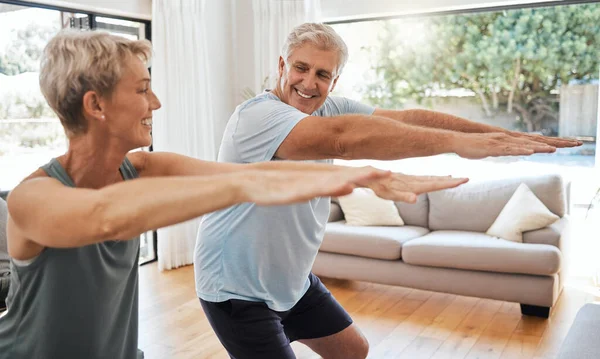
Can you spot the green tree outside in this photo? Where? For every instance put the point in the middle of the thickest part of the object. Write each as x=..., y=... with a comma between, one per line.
x=514, y=61
x=25, y=49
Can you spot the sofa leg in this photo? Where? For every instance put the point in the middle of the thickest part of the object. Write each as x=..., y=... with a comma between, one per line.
x=535, y=311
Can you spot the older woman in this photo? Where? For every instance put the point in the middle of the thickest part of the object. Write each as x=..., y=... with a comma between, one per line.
x=74, y=224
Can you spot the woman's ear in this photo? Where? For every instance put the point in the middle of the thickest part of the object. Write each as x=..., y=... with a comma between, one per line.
x=93, y=106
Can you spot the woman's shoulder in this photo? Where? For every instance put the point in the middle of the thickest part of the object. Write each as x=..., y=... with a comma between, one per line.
x=36, y=174
x=138, y=159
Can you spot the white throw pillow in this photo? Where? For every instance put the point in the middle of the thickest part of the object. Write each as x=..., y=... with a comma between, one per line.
x=523, y=212
x=363, y=208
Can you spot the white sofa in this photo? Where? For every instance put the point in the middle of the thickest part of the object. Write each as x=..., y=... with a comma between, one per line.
x=443, y=246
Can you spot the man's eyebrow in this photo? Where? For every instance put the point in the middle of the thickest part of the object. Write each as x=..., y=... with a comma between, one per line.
x=301, y=63
x=146, y=79
x=307, y=65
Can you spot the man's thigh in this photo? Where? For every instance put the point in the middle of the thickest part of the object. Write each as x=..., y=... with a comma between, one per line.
x=318, y=314
x=248, y=330
x=322, y=324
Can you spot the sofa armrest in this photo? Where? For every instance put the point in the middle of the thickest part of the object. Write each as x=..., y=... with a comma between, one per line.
x=335, y=212
x=553, y=234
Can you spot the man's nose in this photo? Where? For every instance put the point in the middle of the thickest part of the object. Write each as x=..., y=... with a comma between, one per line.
x=310, y=81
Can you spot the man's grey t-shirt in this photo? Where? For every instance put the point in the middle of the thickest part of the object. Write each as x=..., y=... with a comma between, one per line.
x=263, y=253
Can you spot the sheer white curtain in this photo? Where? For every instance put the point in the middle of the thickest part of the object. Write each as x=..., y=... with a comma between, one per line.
x=273, y=20
x=180, y=77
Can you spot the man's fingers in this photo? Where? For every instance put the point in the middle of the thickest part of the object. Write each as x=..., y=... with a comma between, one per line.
x=536, y=146
x=552, y=141
x=556, y=141
x=515, y=151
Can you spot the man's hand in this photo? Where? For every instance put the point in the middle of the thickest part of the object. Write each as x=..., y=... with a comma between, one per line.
x=482, y=145
x=552, y=141
x=406, y=188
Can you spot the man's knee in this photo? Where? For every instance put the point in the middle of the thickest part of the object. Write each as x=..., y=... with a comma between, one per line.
x=362, y=348
x=359, y=349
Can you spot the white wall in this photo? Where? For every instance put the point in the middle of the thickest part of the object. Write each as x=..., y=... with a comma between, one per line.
x=333, y=10
x=138, y=9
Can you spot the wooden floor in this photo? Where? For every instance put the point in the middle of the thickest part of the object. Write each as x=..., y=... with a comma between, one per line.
x=399, y=322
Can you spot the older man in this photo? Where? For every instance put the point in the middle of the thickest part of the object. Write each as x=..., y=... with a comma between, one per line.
x=253, y=264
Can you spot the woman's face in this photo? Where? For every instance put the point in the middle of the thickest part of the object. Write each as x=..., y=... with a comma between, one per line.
x=128, y=109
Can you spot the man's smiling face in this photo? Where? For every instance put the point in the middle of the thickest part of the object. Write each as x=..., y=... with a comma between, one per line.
x=307, y=77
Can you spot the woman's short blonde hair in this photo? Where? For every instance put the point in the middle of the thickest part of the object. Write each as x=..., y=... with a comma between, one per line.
x=75, y=62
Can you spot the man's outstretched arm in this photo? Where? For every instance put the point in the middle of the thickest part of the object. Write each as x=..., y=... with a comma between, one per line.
x=439, y=120
x=382, y=138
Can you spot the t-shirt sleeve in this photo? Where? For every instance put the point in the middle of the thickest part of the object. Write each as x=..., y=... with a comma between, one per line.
x=261, y=128
x=335, y=106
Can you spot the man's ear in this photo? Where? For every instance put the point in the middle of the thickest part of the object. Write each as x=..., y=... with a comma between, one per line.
x=93, y=106
x=281, y=66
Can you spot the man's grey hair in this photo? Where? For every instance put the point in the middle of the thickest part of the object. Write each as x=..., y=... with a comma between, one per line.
x=321, y=35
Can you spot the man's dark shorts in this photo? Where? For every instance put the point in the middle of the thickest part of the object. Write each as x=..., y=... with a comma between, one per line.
x=251, y=330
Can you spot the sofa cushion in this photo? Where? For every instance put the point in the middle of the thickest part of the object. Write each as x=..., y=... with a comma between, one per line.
x=335, y=212
x=370, y=242
x=475, y=206
x=549, y=235
x=362, y=207
x=415, y=214
x=478, y=251
x=523, y=212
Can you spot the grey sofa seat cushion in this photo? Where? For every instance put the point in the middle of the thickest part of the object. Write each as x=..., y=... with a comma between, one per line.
x=475, y=206
x=582, y=340
x=478, y=251
x=371, y=242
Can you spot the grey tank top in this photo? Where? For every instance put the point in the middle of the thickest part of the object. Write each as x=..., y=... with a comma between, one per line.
x=4, y=259
x=74, y=302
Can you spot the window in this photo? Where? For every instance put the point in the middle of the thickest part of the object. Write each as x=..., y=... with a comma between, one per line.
x=528, y=69
x=532, y=69
x=30, y=132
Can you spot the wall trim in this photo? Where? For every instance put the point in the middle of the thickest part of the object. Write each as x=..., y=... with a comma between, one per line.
x=453, y=10
x=69, y=6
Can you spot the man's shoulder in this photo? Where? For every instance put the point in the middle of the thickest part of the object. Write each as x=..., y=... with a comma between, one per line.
x=263, y=98
x=333, y=105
